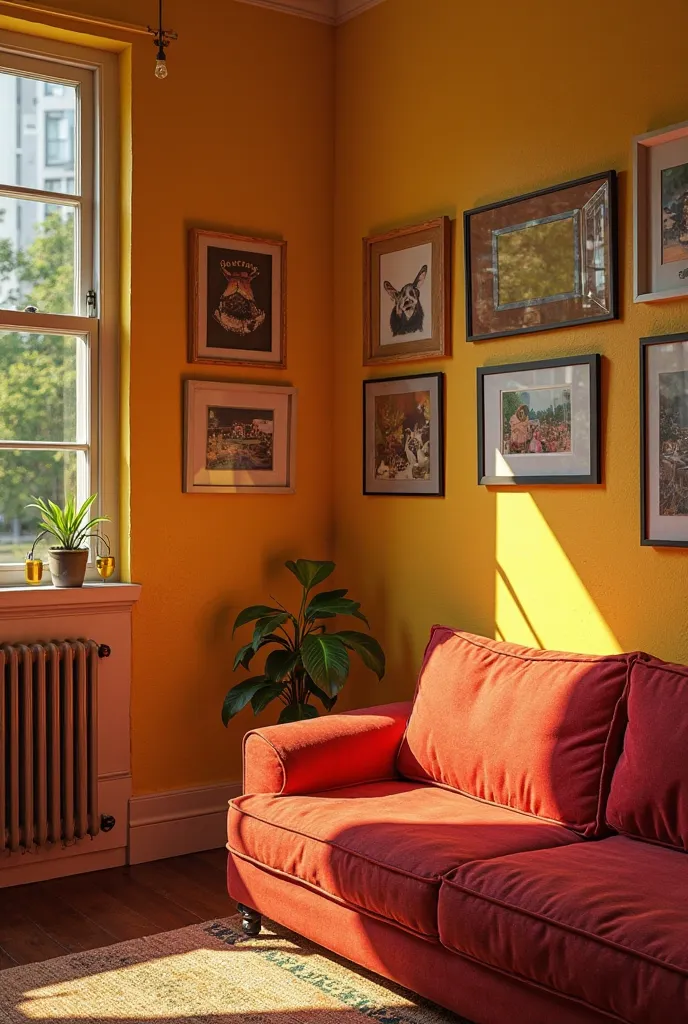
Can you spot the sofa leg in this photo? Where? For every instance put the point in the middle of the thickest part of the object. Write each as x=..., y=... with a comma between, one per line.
x=252, y=920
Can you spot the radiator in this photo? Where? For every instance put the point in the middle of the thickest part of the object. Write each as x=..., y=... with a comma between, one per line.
x=48, y=743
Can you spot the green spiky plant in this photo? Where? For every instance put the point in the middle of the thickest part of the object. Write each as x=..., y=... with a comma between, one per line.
x=307, y=662
x=69, y=525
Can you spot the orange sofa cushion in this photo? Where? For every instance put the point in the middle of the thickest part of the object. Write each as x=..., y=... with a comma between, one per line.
x=537, y=731
x=601, y=922
x=649, y=791
x=381, y=847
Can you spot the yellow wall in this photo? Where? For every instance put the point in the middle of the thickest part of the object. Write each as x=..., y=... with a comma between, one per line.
x=446, y=105
x=239, y=137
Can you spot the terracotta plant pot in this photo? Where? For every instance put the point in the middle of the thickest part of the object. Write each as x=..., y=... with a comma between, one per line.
x=67, y=568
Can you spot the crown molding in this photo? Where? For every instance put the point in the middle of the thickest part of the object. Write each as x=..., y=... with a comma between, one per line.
x=331, y=12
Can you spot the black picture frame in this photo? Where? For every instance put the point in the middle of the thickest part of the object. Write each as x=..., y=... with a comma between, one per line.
x=594, y=362
x=613, y=314
x=645, y=539
x=437, y=492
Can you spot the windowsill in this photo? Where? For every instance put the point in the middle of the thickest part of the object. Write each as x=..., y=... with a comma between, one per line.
x=90, y=599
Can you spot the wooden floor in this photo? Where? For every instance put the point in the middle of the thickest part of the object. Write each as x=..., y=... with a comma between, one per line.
x=66, y=915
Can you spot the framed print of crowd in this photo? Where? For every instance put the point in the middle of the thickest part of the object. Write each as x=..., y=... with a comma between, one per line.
x=238, y=300
x=660, y=207
x=664, y=440
x=403, y=435
x=406, y=293
x=543, y=260
x=239, y=438
x=538, y=423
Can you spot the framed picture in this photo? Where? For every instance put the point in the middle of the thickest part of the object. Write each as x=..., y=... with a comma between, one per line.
x=403, y=435
x=660, y=209
x=538, y=423
x=544, y=260
x=239, y=438
x=664, y=441
x=406, y=293
x=238, y=308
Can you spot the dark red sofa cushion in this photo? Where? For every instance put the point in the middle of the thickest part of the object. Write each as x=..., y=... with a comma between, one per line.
x=604, y=922
x=649, y=791
x=381, y=847
x=537, y=731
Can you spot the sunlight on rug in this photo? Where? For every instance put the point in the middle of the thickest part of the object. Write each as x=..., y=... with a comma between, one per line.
x=208, y=974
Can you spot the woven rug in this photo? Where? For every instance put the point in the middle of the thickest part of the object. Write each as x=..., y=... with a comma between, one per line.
x=209, y=974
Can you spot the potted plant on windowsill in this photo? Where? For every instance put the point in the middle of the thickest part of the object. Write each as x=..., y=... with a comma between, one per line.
x=71, y=529
x=307, y=662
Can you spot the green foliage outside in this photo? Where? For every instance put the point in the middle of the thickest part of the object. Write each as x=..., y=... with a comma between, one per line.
x=37, y=377
x=306, y=662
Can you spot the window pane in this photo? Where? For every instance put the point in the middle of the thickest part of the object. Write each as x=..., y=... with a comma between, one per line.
x=37, y=130
x=38, y=386
x=36, y=256
x=24, y=475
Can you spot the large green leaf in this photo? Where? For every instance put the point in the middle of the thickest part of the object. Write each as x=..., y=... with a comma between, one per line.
x=310, y=573
x=255, y=611
x=327, y=701
x=261, y=698
x=280, y=664
x=243, y=656
x=297, y=713
x=324, y=606
x=239, y=696
x=372, y=655
x=326, y=660
x=265, y=626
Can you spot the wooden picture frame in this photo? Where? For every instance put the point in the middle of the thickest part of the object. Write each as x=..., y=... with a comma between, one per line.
x=407, y=294
x=239, y=438
x=544, y=260
x=403, y=435
x=544, y=422
x=663, y=467
x=237, y=300
x=660, y=214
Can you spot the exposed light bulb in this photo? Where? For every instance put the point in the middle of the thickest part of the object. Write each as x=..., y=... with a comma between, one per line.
x=161, y=68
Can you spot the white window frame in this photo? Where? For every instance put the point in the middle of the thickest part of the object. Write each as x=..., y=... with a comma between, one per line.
x=98, y=268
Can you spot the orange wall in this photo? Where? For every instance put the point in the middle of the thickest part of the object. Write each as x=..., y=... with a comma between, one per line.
x=442, y=106
x=239, y=137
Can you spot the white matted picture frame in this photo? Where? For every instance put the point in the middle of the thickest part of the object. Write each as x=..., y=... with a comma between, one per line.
x=239, y=438
x=660, y=214
x=238, y=299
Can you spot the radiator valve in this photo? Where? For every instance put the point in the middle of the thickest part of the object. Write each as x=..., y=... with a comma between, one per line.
x=107, y=823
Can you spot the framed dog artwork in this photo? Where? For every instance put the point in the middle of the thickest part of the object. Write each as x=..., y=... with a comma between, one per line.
x=406, y=293
x=238, y=300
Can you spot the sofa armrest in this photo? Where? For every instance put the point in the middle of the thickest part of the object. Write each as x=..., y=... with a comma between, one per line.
x=325, y=753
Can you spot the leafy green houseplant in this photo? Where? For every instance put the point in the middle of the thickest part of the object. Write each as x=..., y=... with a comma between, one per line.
x=306, y=661
x=71, y=528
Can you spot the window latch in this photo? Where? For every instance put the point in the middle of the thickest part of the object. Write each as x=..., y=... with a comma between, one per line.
x=91, y=303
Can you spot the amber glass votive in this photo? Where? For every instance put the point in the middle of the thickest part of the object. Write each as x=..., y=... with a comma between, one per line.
x=33, y=571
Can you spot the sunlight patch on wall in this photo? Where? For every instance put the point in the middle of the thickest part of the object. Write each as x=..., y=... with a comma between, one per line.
x=540, y=600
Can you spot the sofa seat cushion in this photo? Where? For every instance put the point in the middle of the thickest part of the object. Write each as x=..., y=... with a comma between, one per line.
x=381, y=847
x=649, y=791
x=538, y=731
x=601, y=922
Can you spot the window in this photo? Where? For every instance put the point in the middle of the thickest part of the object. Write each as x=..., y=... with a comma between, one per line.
x=58, y=426
x=59, y=137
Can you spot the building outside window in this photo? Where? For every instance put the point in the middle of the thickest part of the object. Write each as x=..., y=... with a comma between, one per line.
x=59, y=138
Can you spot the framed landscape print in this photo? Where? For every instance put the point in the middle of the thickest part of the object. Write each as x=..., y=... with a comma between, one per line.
x=403, y=435
x=406, y=293
x=238, y=300
x=544, y=260
x=239, y=438
x=664, y=440
x=660, y=207
x=538, y=423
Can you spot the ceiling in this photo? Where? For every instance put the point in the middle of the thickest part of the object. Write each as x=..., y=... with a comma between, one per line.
x=333, y=12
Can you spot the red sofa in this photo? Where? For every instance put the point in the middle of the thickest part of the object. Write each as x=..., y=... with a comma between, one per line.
x=510, y=845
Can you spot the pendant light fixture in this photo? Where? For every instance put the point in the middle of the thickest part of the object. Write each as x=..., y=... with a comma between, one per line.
x=162, y=38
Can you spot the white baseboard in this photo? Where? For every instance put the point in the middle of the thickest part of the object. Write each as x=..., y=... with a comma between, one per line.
x=182, y=821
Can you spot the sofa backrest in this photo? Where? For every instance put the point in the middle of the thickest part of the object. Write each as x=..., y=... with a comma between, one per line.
x=649, y=790
x=537, y=731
